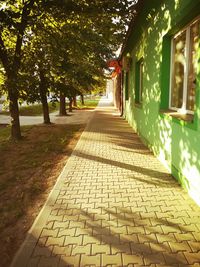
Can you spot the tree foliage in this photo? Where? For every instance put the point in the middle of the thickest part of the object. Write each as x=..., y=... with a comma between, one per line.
x=62, y=45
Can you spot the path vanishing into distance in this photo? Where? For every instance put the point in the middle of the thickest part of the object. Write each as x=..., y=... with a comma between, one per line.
x=75, y=117
x=114, y=204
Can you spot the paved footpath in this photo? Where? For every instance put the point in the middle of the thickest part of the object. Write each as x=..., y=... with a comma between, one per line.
x=113, y=205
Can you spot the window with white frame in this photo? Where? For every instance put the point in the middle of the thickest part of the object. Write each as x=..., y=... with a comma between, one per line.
x=139, y=81
x=184, y=68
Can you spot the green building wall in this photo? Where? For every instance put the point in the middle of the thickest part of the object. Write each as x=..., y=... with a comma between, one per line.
x=175, y=141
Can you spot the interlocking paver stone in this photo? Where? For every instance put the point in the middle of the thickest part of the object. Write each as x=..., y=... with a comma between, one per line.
x=113, y=205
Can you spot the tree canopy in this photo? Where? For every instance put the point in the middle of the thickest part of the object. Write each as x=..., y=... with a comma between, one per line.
x=57, y=45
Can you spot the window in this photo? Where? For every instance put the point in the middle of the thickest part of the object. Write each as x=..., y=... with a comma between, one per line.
x=139, y=81
x=127, y=85
x=184, y=68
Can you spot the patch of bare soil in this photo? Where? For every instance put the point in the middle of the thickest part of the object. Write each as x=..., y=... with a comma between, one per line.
x=28, y=171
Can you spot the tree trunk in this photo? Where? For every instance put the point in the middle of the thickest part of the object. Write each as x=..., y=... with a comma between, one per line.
x=70, y=104
x=74, y=101
x=62, y=111
x=14, y=113
x=13, y=106
x=43, y=95
x=82, y=100
x=12, y=68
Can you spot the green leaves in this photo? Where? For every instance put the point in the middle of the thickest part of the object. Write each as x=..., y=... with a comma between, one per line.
x=70, y=40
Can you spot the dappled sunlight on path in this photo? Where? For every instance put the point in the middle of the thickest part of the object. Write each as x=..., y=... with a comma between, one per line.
x=113, y=205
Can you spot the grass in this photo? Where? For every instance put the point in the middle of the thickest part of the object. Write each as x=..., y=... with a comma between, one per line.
x=88, y=104
x=33, y=110
x=36, y=110
x=28, y=170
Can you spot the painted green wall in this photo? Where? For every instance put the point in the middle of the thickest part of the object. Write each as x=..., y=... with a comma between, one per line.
x=175, y=142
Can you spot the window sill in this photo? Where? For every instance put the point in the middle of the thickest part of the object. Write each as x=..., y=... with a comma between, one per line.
x=182, y=117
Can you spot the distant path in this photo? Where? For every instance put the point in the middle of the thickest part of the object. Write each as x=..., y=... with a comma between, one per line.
x=76, y=117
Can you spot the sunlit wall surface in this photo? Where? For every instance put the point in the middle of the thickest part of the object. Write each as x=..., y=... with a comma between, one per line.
x=166, y=36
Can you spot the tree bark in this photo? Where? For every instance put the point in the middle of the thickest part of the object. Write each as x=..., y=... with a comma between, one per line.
x=82, y=100
x=74, y=101
x=14, y=113
x=13, y=106
x=12, y=66
x=70, y=104
x=62, y=111
x=43, y=95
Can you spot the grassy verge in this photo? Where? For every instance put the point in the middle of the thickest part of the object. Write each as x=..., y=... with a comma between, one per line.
x=88, y=104
x=28, y=170
x=34, y=110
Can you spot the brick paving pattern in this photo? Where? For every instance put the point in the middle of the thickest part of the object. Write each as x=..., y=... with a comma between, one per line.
x=113, y=205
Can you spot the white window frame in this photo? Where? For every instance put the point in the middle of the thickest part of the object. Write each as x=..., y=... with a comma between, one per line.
x=183, y=109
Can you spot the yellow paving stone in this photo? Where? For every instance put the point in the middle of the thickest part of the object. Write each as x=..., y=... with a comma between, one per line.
x=66, y=232
x=124, y=238
x=66, y=261
x=101, y=249
x=180, y=246
x=119, y=230
x=144, y=238
x=175, y=258
x=153, y=258
x=132, y=259
x=195, y=246
x=71, y=217
x=196, y=235
x=57, y=217
x=184, y=237
x=116, y=260
x=60, y=224
x=55, y=241
x=49, y=232
x=110, y=239
x=135, y=229
x=86, y=231
x=86, y=249
x=170, y=229
x=166, y=238
x=98, y=230
x=193, y=257
x=114, y=205
x=154, y=229
x=91, y=260
x=89, y=239
x=76, y=224
x=73, y=240
x=141, y=248
x=65, y=250
x=121, y=248
x=159, y=247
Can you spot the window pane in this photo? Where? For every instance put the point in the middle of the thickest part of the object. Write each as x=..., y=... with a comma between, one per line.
x=127, y=86
x=193, y=60
x=141, y=81
x=178, y=73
